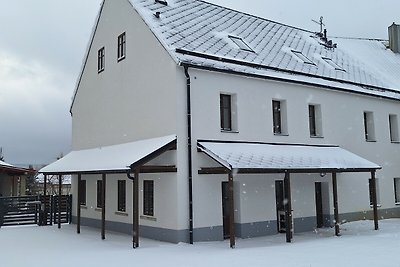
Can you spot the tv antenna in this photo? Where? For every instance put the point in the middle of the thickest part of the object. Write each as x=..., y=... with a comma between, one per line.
x=320, y=22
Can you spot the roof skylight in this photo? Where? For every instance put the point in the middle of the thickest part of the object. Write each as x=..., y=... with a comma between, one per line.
x=331, y=63
x=302, y=57
x=240, y=43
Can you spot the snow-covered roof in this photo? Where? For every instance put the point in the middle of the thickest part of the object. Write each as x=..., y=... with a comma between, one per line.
x=203, y=34
x=109, y=158
x=236, y=155
x=2, y=163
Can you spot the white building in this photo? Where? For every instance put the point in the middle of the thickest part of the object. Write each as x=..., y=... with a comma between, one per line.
x=190, y=94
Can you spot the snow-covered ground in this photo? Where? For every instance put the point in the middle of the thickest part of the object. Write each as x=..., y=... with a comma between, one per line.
x=359, y=245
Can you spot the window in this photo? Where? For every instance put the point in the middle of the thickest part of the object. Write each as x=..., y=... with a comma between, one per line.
x=302, y=57
x=99, y=193
x=377, y=191
x=331, y=63
x=122, y=195
x=279, y=117
x=226, y=112
x=397, y=190
x=240, y=43
x=82, y=192
x=121, y=46
x=100, y=59
x=369, y=127
x=315, y=120
x=393, y=128
x=148, y=198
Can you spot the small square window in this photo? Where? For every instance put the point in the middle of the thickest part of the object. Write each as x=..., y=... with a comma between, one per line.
x=302, y=57
x=240, y=43
x=121, y=47
x=101, y=59
x=393, y=128
x=369, y=127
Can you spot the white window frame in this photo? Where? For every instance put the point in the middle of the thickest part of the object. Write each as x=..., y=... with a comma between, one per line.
x=283, y=117
x=240, y=43
x=302, y=57
x=234, y=113
x=317, y=120
x=396, y=183
x=378, y=195
x=394, y=128
x=369, y=126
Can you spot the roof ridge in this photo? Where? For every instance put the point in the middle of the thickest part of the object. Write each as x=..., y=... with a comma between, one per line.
x=360, y=38
x=255, y=16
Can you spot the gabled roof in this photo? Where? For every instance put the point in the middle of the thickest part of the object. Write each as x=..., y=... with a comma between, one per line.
x=199, y=33
x=204, y=35
x=11, y=169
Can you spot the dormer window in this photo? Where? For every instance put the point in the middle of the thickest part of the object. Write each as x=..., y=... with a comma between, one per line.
x=331, y=63
x=240, y=43
x=302, y=57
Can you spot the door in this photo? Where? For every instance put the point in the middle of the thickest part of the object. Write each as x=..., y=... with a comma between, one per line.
x=225, y=209
x=318, y=205
x=280, y=206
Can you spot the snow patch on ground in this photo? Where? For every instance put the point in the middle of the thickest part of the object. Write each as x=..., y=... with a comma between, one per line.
x=359, y=245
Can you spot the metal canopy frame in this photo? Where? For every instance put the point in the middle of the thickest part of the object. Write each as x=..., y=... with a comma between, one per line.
x=136, y=168
x=287, y=171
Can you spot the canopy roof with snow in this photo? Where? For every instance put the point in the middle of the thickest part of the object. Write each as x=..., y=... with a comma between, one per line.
x=111, y=159
x=13, y=170
x=263, y=157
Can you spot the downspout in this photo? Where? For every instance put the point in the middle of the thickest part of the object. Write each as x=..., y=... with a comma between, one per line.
x=189, y=147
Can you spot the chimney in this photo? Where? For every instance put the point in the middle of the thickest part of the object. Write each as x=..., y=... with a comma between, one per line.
x=394, y=37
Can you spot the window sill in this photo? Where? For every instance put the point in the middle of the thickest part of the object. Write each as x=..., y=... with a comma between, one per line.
x=83, y=207
x=98, y=209
x=370, y=141
x=121, y=58
x=148, y=218
x=121, y=213
x=378, y=205
x=316, y=136
x=100, y=71
x=229, y=131
x=281, y=134
x=397, y=203
x=395, y=142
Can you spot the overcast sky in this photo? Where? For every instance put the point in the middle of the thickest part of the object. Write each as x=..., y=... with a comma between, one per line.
x=42, y=44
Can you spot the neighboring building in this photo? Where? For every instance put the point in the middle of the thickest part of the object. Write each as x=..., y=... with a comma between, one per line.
x=12, y=180
x=200, y=99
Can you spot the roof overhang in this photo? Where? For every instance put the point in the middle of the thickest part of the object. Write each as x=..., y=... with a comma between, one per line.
x=12, y=170
x=111, y=159
x=249, y=157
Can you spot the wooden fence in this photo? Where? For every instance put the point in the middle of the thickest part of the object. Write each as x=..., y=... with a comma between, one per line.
x=40, y=210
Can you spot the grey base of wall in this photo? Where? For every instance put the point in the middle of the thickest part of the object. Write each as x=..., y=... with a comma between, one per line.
x=244, y=230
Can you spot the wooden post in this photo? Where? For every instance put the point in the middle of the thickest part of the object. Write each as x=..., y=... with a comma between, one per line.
x=45, y=199
x=135, y=193
x=288, y=210
x=335, y=204
x=78, y=206
x=59, y=200
x=103, y=208
x=231, y=212
x=374, y=200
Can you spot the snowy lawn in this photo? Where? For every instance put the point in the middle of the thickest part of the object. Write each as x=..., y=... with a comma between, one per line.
x=359, y=245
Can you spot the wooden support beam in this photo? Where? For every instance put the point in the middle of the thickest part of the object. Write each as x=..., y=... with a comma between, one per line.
x=335, y=204
x=135, y=193
x=103, y=208
x=288, y=206
x=44, y=222
x=231, y=212
x=374, y=200
x=78, y=206
x=59, y=200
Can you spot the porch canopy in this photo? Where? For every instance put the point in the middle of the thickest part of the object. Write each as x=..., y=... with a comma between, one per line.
x=252, y=157
x=111, y=159
x=123, y=158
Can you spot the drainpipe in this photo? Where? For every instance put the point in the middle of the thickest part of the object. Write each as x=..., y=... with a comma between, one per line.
x=189, y=147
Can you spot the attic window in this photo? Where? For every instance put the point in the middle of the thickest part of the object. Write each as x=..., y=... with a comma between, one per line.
x=331, y=63
x=240, y=43
x=162, y=2
x=302, y=57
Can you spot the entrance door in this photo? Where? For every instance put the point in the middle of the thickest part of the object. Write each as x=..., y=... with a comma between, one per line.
x=225, y=209
x=318, y=205
x=280, y=206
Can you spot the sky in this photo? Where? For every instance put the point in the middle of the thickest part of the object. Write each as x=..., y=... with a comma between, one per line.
x=42, y=45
